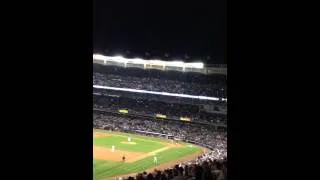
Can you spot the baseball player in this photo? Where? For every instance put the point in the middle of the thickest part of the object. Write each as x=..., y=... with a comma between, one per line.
x=112, y=148
x=155, y=160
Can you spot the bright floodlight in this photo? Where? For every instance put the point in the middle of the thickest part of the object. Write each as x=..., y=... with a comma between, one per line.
x=99, y=57
x=157, y=62
x=175, y=63
x=120, y=59
x=198, y=65
x=137, y=61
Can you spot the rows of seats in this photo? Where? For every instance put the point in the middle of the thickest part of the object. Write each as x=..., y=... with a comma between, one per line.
x=151, y=108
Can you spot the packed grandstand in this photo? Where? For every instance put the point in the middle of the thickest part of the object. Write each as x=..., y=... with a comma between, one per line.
x=190, y=103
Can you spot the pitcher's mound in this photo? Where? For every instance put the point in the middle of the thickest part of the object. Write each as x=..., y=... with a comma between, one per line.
x=127, y=142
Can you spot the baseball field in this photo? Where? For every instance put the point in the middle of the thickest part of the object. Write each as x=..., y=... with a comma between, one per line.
x=139, y=152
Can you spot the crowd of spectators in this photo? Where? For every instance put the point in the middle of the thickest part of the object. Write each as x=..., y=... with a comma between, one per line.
x=206, y=170
x=149, y=107
x=191, y=85
x=209, y=166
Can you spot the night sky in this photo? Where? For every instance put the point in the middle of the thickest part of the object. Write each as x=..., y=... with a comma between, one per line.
x=196, y=29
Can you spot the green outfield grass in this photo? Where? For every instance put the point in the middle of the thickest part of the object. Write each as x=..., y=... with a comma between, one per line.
x=141, y=146
x=103, y=169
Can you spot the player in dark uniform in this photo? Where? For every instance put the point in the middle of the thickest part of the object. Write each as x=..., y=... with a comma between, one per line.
x=123, y=159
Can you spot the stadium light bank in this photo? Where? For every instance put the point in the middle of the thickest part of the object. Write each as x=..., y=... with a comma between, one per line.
x=159, y=93
x=120, y=59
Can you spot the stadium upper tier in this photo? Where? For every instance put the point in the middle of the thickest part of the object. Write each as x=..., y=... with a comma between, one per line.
x=176, y=65
x=161, y=81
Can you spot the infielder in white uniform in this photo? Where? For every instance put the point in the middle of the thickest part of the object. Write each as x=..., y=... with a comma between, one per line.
x=129, y=139
x=155, y=160
x=113, y=148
